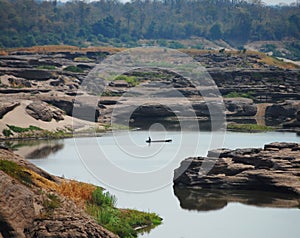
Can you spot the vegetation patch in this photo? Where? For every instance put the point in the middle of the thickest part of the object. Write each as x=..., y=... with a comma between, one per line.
x=77, y=191
x=273, y=61
x=7, y=132
x=73, y=69
x=18, y=129
x=249, y=127
x=83, y=59
x=58, y=134
x=131, y=80
x=49, y=67
x=123, y=222
x=16, y=171
x=35, y=132
x=50, y=203
x=249, y=94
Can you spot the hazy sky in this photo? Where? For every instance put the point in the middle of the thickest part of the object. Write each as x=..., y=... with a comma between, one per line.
x=270, y=2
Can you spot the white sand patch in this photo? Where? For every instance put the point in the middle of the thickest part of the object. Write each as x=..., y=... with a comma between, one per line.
x=19, y=117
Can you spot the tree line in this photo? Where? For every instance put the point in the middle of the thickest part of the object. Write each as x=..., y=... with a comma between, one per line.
x=33, y=22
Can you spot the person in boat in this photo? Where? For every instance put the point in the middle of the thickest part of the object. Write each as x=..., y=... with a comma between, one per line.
x=149, y=139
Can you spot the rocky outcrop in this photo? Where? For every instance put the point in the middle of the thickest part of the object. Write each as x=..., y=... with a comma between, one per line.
x=152, y=110
x=76, y=109
x=19, y=82
x=64, y=104
x=25, y=209
x=287, y=109
x=17, y=207
x=42, y=111
x=33, y=74
x=24, y=74
x=240, y=107
x=6, y=107
x=274, y=168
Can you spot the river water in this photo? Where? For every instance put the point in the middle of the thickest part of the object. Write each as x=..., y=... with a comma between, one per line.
x=140, y=175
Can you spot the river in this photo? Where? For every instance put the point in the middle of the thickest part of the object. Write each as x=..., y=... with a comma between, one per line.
x=140, y=175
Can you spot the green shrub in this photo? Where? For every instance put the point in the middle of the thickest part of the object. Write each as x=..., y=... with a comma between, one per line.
x=249, y=127
x=50, y=67
x=101, y=198
x=7, y=132
x=73, y=69
x=16, y=171
x=22, y=129
x=131, y=80
x=51, y=203
x=123, y=222
x=240, y=95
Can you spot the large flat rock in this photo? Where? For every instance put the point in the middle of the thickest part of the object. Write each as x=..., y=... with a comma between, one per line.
x=274, y=168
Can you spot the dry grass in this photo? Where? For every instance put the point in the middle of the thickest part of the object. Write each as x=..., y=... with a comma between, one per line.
x=197, y=51
x=3, y=52
x=79, y=192
x=278, y=63
x=42, y=182
x=60, y=48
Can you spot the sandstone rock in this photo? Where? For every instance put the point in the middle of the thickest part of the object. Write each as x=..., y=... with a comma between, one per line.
x=6, y=107
x=33, y=74
x=288, y=109
x=16, y=207
x=23, y=211
x=154, y=110
x=42, y=111
x=63, y=104
x=274, y=168
x=18, y=82
x=240, y=107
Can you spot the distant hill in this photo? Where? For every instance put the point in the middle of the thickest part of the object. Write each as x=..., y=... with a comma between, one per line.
x=156, y=22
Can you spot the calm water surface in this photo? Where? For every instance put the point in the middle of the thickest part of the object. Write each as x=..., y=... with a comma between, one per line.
x=186, y=214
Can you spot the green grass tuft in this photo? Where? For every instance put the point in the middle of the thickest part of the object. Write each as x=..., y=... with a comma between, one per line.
x=16, y=171
x=73, y=69
x=123, y=222
x=51, y=203
x=22, y=129
x=249, y=94
x=101, y=198
x=49, y=67
x=131, y=80
x=7, y=132
x=249, y=127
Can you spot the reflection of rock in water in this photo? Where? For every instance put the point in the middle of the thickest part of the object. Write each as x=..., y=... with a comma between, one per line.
x=209, y=199
x=44, y=151
x=173, y=124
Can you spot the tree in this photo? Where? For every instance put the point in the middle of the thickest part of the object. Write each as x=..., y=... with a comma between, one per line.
x=215, y=32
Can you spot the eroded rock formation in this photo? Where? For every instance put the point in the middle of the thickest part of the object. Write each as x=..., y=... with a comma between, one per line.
x=26, y=210
x=274, y=168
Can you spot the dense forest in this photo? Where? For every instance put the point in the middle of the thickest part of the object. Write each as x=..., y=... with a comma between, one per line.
x=82, y=23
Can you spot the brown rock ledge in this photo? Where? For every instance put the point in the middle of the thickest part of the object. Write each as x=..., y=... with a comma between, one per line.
x=275, y=168
x=23, y=212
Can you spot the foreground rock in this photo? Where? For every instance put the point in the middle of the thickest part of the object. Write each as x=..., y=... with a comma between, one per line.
x=29, y=210
x=275, y=168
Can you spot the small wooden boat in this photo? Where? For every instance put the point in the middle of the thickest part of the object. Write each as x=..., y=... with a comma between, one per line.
x=158, y=141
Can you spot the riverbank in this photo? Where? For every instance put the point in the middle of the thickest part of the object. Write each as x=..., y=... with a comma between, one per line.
x=38, y=204
x=41, y=87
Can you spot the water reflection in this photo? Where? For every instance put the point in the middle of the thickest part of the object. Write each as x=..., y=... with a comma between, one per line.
x=207, y=200
x=44, y=151
x=35, y=149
